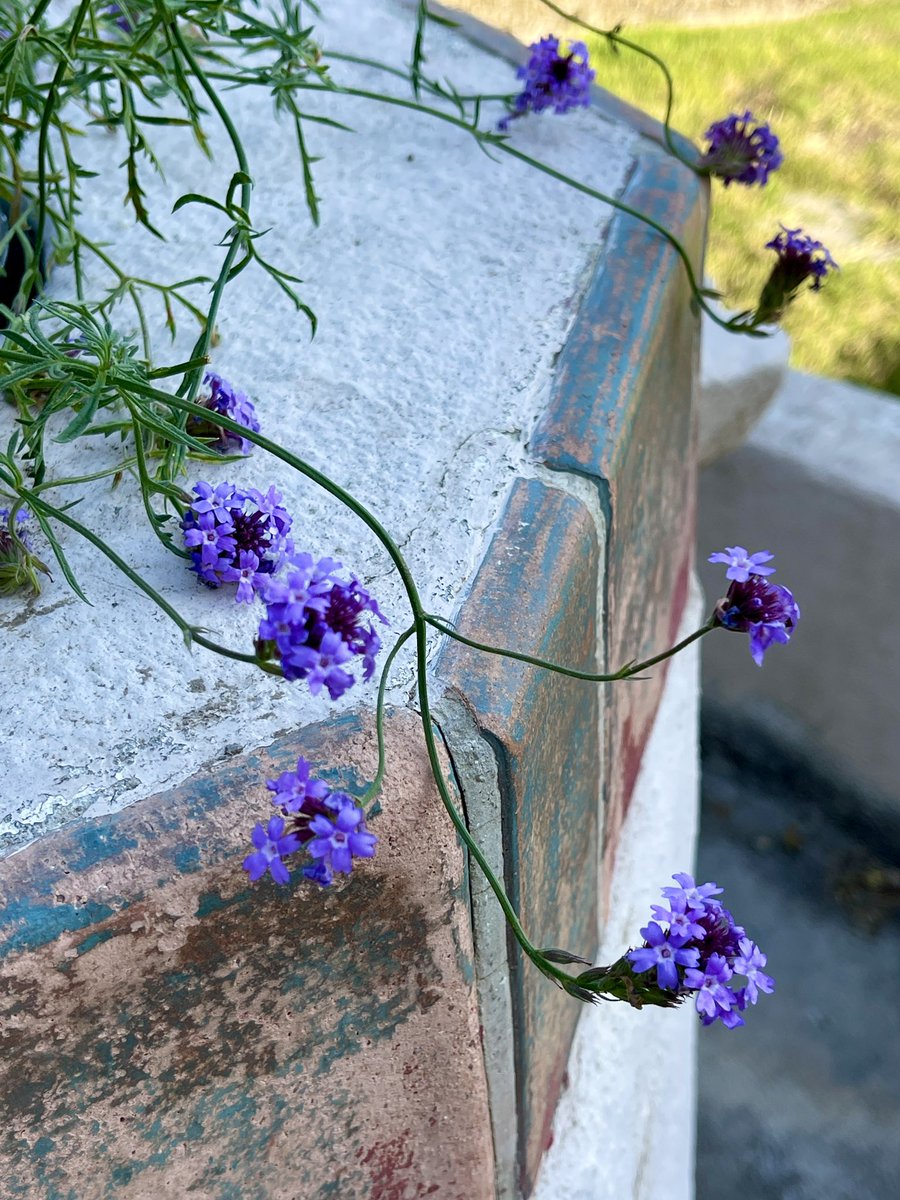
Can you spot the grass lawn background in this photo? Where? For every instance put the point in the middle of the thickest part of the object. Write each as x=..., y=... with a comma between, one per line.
x=829, y=84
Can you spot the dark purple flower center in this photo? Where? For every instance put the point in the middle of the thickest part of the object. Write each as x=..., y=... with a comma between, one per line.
x=561, y=69
x=756, y=601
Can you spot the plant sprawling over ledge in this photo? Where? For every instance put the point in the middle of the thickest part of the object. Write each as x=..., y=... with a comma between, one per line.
x=131, y=67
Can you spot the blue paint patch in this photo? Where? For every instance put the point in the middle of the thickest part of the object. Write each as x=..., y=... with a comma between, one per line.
x=187, y=859
x=98, y=841
x=31, y=924
x=95, y=939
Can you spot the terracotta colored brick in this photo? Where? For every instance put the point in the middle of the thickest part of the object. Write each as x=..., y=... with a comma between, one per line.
x=170, y=1030
x=621, y=413
x=536, y=591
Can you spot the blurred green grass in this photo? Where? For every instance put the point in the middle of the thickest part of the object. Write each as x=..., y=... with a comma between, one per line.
x=830, y=87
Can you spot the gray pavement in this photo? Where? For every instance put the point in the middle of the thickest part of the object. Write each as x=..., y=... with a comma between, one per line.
x=804, y=1102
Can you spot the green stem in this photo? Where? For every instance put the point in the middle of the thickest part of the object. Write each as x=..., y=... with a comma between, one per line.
x=46, y=117
x=626, y=672
x=615, y=38
x=201, y=347
x=528, y=948
x=375, y=786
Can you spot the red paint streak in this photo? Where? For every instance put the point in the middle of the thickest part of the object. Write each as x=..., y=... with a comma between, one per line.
x=392, y=1171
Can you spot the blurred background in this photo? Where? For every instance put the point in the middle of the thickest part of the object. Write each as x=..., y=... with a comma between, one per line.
x=825, y=76
x=801, y=760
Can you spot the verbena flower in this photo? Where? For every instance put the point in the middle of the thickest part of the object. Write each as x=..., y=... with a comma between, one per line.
x=741, y=150
x=271, y=844
x=698, y=950
x=219, y=396
x=665, y=951
x=800, y=257
x=766, y=611
x=316, y=624
x=327, y=824
x=123, y=14
x=341, y=836
x=741, y=564
x=553, y=79
x=236, y=535
x=19, y=565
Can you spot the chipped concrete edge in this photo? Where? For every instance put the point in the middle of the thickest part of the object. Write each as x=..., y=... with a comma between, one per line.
x=474, y=764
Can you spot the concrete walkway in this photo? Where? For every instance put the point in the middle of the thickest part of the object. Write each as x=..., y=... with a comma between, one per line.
x=804, y=1103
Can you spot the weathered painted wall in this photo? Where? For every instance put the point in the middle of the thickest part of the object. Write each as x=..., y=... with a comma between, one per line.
x=166, y=1029
x=482, y=320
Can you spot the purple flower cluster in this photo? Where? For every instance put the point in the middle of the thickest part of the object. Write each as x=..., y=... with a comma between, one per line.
x=741, y=150
x=553, y=80
x=236, y=535
x=121, y=17
x=766, y=611
x=22, y=530
x=316, y=624
x=18, y=563
x=329, y=825
x=800, y=257
x=695, y=946
x=219, y=396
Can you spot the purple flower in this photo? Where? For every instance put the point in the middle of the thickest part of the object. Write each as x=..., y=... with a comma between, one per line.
x=749, y=963
x=19, y=566
x=319, y=872
x=700, y=952
x=799, y=258
x=712, y=994
x=122, y=19
x=663, y=951
x=741, y=564
x=294, y=789
x=339, y=839
x=553, y=80
x=232, y=539
x=219, y=396
x=741, y=150
x=272, y=844
x=695, y=895
x=767, y=611
x=316, y=623
x=681, y=918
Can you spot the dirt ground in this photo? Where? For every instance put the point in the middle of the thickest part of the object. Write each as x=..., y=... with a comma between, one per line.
x=530, y=19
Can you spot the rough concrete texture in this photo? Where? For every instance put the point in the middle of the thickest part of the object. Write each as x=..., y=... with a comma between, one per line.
x=621, y=414
x=445, y=284
x=739, y=376
x=538, y=589
x=817, y=483
x=168, y=1030
x=624, y=1127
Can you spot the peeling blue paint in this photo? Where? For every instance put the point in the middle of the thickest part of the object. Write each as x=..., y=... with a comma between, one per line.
x=26, y=924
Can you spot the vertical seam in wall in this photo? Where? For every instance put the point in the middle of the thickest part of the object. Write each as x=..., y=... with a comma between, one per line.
x=454, y=720
x=509, y=832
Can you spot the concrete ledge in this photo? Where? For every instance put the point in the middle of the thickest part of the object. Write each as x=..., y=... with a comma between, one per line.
x=739, y=377
x=538, y=588
x=621, y=414
x=173, y=993
x=617, y=1081
x=168, y=1030
x=818, y=484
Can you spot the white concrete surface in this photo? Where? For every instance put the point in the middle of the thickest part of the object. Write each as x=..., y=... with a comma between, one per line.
x=624, y=1128
x=739, y=377
x=818, y=484
x=444, y=283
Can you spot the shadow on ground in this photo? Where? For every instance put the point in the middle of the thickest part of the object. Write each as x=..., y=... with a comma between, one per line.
x=804, y=1102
